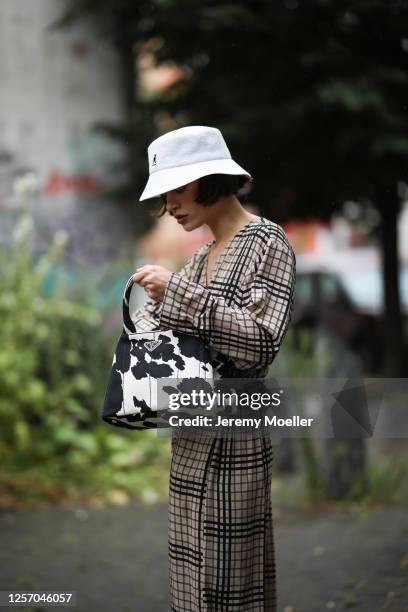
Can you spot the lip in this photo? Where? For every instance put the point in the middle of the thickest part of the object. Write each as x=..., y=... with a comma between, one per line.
x=181, y=218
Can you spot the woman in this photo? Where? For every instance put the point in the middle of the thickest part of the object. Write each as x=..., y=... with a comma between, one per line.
x=236, y=293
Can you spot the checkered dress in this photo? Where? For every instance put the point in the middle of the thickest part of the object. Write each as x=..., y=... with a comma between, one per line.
x=220, y=533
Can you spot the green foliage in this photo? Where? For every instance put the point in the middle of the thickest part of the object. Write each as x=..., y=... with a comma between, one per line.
x=303, y=356
x=54, y=363
x=387, y=482
x=50, y=357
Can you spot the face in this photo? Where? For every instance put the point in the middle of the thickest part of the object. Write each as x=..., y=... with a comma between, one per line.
x=181, y=205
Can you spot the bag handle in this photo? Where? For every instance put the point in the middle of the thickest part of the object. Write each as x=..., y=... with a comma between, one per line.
x=128, y=324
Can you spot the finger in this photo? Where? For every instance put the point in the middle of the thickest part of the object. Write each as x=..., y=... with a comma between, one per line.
x=144, y=267
x=140, y=275
x=151, y=293
x=148, y=282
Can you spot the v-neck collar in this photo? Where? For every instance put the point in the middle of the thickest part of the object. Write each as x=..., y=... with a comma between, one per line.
x=211, y=242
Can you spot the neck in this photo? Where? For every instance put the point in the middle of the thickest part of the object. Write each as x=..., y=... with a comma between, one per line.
x=226, y=217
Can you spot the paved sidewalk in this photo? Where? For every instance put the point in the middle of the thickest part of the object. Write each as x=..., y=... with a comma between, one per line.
x=116, y=558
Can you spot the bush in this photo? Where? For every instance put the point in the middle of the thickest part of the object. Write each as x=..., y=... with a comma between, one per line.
x=54, y=365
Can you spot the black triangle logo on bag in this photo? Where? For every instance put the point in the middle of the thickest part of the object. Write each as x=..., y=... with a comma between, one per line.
x=152, y=344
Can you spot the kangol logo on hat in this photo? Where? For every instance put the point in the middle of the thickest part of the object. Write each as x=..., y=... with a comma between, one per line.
x=185, y=155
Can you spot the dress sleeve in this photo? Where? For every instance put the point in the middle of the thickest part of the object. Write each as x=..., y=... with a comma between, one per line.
x=147, y=317
x=252, y=333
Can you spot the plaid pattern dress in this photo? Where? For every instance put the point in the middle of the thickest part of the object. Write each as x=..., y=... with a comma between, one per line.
x=220, y=532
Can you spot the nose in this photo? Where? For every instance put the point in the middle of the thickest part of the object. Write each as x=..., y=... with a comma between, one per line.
x=171, y=202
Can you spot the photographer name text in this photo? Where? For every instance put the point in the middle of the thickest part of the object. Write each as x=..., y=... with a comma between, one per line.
x=273, y=421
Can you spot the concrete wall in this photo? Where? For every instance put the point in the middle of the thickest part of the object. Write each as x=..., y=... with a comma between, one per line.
x=54, y=85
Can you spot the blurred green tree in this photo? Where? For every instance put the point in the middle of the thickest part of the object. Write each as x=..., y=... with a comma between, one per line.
x=311, y=96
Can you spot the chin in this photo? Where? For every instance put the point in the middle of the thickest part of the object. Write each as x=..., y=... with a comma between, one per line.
x=189, y=226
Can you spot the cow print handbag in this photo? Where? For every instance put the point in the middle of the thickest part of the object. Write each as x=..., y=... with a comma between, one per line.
x=136, y=397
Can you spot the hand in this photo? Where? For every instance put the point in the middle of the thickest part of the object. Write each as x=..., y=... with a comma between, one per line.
x=153, y=279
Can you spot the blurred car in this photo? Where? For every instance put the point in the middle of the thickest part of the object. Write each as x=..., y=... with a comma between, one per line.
x=343, y=291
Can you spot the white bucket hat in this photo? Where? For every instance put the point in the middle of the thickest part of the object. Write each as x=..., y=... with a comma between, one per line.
x=184, y=155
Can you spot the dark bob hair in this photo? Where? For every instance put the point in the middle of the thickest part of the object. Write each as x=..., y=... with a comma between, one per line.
x=212, y=187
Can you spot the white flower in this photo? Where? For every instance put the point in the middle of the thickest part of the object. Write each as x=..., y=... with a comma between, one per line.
x=25, y=184
x=22, y=228
x=61, y=238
